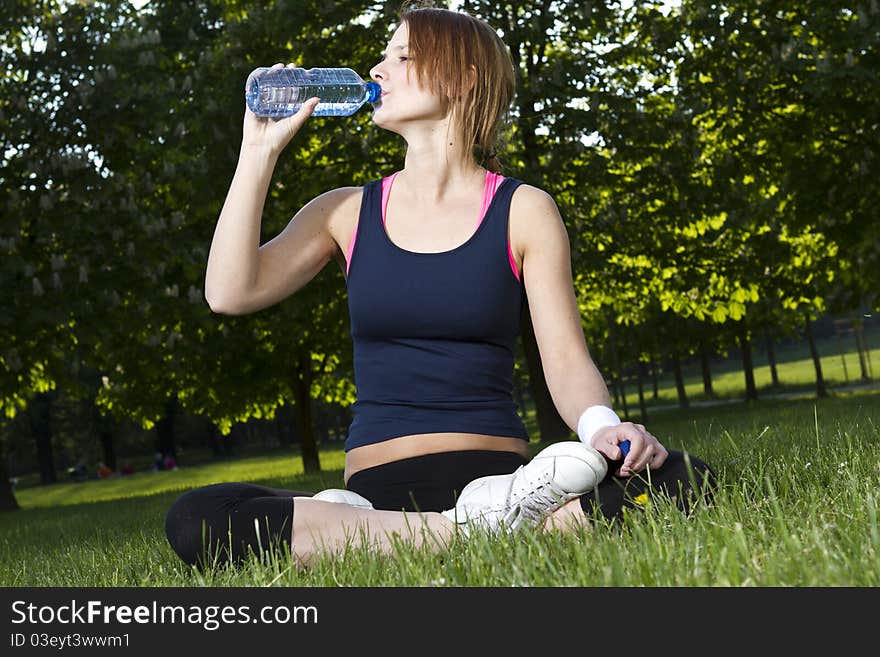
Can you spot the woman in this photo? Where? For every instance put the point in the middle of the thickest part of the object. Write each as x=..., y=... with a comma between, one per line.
x=438, y=258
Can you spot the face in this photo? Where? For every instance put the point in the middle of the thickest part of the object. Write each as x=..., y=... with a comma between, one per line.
x=403, y=101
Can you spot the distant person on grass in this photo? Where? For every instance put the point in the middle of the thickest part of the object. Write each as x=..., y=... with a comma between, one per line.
x=438, y=258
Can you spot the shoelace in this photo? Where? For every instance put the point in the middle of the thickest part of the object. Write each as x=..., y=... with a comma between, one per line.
x=539, y=499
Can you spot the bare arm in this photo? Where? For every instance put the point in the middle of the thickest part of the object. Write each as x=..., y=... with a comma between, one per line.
x=270, y=273
x=233, y=261
x=573, y=379
x=243, y=277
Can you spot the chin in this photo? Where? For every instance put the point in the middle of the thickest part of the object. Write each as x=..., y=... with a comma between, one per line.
x=382, y=121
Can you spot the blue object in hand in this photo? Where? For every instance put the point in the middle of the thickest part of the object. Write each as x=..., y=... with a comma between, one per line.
x=624, y=447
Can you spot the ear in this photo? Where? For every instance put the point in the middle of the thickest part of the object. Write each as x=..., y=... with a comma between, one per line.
x=470, y=77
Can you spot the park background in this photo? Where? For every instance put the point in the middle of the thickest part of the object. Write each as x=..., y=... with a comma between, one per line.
x=715, y=163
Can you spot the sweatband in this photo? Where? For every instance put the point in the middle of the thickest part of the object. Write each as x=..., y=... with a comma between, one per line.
x=593, y=419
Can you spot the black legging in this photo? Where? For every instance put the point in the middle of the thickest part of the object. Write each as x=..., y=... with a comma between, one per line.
x=683, y=477
x=216, y=522
x=232, y=520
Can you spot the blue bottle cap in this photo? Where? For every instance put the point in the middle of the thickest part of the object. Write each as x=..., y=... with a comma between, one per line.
x=373, y=91
x=624, y=447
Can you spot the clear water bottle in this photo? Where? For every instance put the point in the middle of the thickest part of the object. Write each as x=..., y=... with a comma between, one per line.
x=280, y=92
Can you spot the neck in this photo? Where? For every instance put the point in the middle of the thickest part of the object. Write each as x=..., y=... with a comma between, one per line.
x=436, y=163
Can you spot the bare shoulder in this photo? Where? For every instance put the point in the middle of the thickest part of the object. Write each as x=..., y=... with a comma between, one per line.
x=340, y=208
x=333, y=213
x=528, y=196
x=534, y=219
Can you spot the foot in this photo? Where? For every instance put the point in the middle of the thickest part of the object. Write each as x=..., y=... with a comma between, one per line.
x=343, y=496
x=557, y=474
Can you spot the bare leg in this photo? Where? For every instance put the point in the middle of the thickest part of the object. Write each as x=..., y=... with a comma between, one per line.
x=320, y=526
x=569, y=517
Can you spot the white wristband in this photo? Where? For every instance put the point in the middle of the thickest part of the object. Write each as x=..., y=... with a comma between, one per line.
x=593, y=419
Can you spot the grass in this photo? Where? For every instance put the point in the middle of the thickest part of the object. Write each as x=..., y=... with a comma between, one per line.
x=798, y=506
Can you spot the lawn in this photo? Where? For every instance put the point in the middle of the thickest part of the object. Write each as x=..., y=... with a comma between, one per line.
x=798, y=506
x=795, y=371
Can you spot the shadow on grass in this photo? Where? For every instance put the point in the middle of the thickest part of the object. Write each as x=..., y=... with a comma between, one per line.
x=112, y=538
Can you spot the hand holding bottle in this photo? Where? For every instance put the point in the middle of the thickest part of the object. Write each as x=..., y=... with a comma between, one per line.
x=272, y=135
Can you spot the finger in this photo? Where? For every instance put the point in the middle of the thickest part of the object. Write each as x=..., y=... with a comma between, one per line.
x=605, y=442
x=653, y=455
x=623, y=447
x=307, y=108
x=642, y=450
x=635, y=450
x=615, y=444
x=296, y=121
x=659, y=458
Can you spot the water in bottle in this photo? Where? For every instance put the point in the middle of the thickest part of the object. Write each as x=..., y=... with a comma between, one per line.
x=280, y=92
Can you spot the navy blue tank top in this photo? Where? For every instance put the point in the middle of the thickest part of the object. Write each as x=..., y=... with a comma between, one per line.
x=434, y=334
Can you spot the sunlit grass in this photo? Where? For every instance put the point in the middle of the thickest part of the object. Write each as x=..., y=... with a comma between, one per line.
x=728, y=381
x=284, y=466
x=798, y=506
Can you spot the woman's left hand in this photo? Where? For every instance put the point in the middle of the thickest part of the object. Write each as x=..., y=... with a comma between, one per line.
x=644, y=449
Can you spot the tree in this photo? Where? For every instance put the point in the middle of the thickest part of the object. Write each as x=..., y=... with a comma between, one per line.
x=153, y=107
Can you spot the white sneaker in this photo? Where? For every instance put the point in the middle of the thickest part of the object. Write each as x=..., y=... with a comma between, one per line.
x=557, y=474
x=343, y=496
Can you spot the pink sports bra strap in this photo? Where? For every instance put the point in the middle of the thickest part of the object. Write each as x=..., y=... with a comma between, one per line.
x=493, y=182
x=386, y=191
x=491, y=185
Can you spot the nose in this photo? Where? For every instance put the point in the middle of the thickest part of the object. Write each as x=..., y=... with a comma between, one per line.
x=377, y=72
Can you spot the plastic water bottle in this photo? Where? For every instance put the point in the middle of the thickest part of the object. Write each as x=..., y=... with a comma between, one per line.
x=281, y=92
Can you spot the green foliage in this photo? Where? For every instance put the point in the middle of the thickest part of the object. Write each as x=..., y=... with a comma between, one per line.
x=115, y=185
x=714, y=165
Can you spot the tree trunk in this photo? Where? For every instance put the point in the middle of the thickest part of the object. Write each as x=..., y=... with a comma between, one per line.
x=654, y=382
x=621, y=386
x=165, y=429
x=551, y=426
x=319, y=421
x=617, y=380
x=861, y=347
x=302, y=391
x=745, y=345
x=7, y=495
x=707, y=372
x=104, y=428
x=40, y=415
x=614, y=389
x=216, y=441
x=679, y=381
x=285, y=425
x=821, y=391
x=771, y=357
x=840, y=351
x=643, y=408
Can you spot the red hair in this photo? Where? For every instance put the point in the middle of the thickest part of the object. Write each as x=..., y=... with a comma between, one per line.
x=461, y=59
